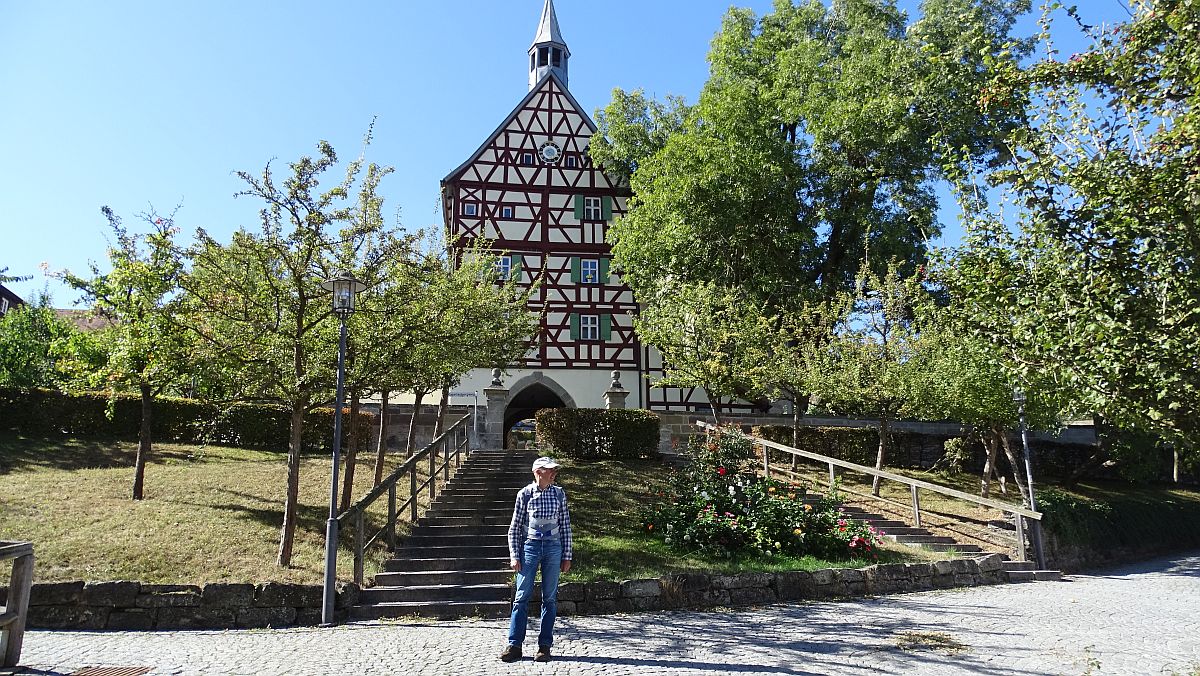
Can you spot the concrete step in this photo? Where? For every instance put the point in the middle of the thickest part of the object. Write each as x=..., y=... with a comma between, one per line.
x=411, y=542
x=424, y=530
x=947, y=546
x=1020, y=565
x=1034, y=575
x=425, y=577
x=440, y=593
x=921, y=539
x=454, y=552
x=444, y=611
x=465, y=520
x=410, y=564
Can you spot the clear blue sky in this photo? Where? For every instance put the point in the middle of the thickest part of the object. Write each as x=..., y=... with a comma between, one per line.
x=132, y=104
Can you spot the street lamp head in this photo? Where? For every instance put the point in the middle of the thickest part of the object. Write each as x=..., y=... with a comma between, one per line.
x=344, y=288
x=1018, y=395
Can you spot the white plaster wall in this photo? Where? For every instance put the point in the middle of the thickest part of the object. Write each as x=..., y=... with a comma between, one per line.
x=586, y=386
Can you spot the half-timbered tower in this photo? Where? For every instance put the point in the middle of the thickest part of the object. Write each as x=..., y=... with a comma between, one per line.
x=531, y=189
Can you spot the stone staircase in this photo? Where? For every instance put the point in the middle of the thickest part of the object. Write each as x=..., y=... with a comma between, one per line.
x=901, y=533
x=455, y=561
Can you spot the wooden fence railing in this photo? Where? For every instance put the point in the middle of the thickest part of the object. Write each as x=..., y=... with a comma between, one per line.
x=12, y=619
x=1019, y=513
x=451, y=444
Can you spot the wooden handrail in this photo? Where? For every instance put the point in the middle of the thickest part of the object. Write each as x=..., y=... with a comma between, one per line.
x=356, y=514
x=987, y=502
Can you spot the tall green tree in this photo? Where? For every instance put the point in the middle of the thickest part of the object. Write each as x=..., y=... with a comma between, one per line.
x=873, y=363
x=257, y=303
x=146, y=345
x=1098, y=280
x=819, y=136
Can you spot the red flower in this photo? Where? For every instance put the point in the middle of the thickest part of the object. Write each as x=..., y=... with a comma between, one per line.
x=721, y=471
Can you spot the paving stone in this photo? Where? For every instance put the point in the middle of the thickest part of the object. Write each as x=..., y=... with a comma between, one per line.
x=1137, y=619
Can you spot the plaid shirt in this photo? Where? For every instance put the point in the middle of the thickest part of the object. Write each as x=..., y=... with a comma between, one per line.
x=550, y=503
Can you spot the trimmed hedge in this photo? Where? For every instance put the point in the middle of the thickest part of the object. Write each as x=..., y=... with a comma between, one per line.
x=45, y=413
x=597, y=433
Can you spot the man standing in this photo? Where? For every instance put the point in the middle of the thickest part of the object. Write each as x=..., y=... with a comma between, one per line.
x=539, y=536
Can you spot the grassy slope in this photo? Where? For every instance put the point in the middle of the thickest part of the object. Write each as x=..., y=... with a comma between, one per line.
x=213, y=514
x=210, y=514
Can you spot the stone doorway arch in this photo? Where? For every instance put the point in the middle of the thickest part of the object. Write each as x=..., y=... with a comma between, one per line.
x=530, y=394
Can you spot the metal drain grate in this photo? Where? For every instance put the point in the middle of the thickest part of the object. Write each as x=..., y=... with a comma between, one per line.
x=112, y=671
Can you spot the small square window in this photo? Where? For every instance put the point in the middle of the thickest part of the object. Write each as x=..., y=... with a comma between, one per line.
x=470, y=209
x=589, y=327
x=589, y=271
x=527, y=158
x=570, y=160
x=592, y=209
x=504, y=267
x=506, y=212
x=3, y=305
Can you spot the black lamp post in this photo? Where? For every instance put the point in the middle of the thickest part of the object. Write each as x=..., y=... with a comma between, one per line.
x=344, y=288
x=1019, y=399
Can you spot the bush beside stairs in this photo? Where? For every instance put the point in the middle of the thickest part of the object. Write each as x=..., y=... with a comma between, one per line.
x=454, y=563
x=902, y=533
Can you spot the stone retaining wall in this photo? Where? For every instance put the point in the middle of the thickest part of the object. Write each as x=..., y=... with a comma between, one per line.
x=699, y=590
x=135, y=606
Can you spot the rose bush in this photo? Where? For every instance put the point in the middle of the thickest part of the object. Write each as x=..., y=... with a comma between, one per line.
x=719, y=505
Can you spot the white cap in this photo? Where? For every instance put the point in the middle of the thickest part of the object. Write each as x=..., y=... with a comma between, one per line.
x=544, y=463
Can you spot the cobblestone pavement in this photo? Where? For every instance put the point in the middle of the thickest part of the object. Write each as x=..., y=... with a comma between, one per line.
x=1138, y=619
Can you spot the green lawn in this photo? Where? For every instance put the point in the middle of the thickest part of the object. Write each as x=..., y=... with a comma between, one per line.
x=213, y=513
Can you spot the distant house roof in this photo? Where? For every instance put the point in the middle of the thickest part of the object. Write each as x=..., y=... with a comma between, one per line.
x=83, y=320
x=8, y=299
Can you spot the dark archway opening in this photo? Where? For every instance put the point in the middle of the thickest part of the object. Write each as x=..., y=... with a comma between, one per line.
x=525, y=404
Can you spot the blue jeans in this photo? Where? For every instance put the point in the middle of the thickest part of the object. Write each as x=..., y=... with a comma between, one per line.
x=546, y=554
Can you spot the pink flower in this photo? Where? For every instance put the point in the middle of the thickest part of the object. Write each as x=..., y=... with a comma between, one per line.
x=722, y=471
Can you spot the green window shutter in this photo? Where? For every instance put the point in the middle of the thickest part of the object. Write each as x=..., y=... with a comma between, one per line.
x=606, y=208
x=576, y=273
x=579, y=207
x=605, y=327
x=574, y=326
x=604, y=262
x=514, y=271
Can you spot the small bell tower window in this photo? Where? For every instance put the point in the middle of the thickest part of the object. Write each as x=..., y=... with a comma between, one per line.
x=556, y=54
x=543, y=55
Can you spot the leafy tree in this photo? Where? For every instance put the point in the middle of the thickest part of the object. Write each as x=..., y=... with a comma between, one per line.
x=146, y=346
x=1099, y=284
x=31, y=340
x=711, y=337
x=818, y=137
x=257, y=303
x=873, y=363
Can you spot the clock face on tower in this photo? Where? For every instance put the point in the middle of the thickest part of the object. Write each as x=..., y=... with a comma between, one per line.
x=550, y=152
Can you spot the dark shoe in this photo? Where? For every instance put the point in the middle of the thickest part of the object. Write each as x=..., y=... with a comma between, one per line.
x=543, y=654
x=511, y=654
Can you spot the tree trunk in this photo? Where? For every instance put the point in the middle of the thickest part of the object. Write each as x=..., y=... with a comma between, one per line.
x=288, y=532
x=1175, y=464
x=879, y=459
x=412, y=425
x=439, y=425
x=1097, y=458
x=351, y=453
x=143, y=452
x=715, y=403
x=799, y=406
x=381, y=443
x=1017, y=465
x=989, y=464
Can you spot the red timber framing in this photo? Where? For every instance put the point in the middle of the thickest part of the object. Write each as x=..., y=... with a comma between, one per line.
x=532, y=190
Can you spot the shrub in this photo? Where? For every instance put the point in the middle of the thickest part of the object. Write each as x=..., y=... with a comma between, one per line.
x=719, y=505
x=596, y=433
x=1121, y=521
x=48, y=413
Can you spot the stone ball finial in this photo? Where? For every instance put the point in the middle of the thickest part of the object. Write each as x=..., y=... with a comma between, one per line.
x=496, y=378
x=616, y=381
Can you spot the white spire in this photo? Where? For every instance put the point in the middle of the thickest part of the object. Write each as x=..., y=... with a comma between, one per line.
x=549, y=52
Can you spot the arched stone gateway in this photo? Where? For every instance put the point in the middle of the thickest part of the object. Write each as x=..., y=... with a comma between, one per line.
x=530, y=394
